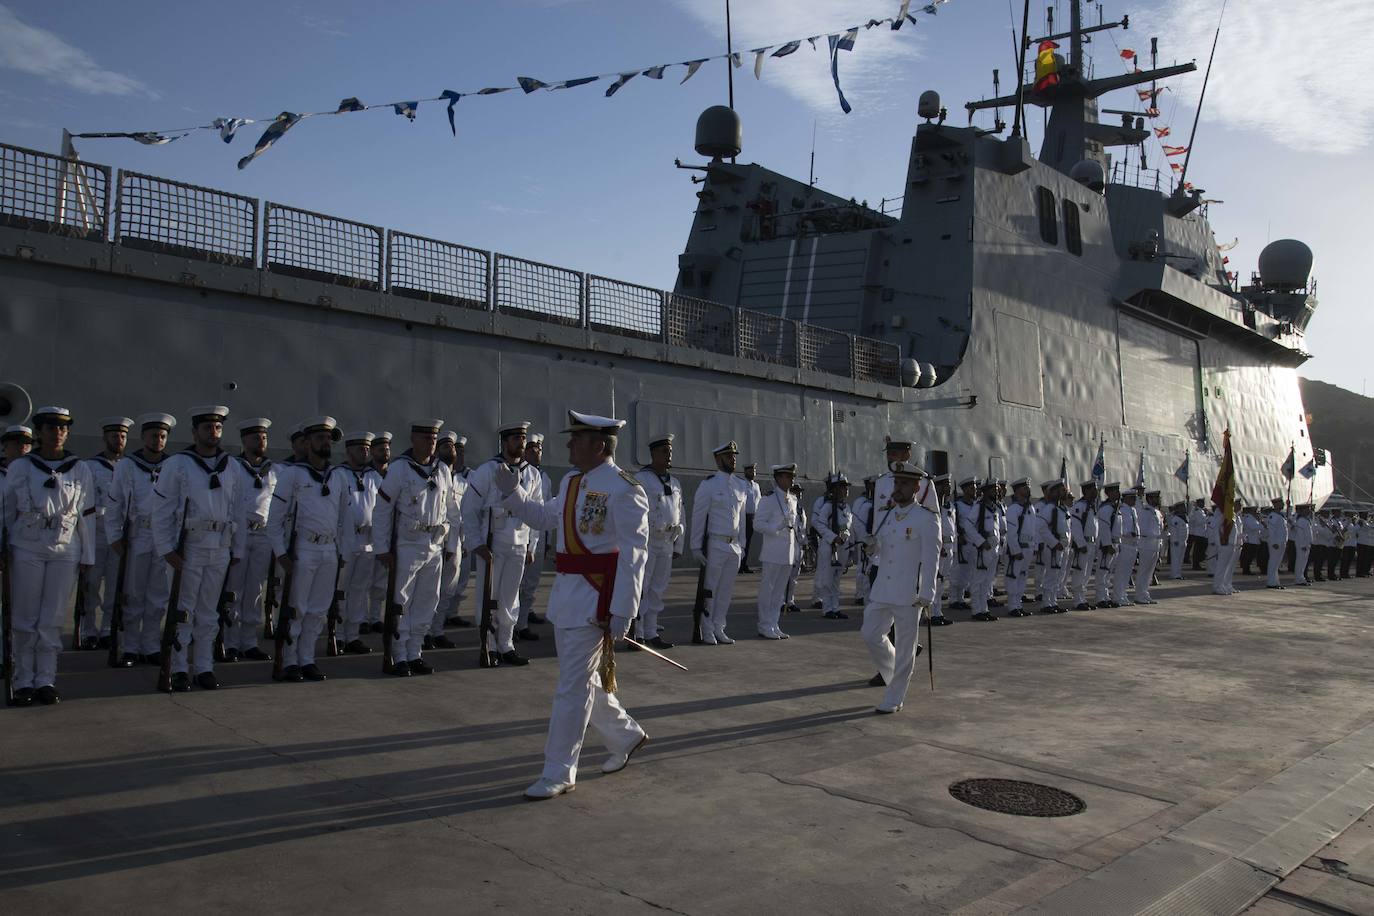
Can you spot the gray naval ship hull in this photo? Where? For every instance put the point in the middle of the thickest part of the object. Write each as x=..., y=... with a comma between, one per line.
x=997, y=353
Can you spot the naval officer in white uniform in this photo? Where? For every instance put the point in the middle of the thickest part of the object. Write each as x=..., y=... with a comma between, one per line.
x=776, y=523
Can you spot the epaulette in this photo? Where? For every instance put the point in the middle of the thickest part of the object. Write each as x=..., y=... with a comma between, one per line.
x=629, y=478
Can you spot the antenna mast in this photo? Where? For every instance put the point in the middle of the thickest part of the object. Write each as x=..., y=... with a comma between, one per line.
x=1197, y=116
x=1021, y=72
x=729, y=57
x=811, y=180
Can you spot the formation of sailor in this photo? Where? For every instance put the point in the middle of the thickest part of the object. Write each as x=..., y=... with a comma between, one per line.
x=718, y=531
x=666, y=535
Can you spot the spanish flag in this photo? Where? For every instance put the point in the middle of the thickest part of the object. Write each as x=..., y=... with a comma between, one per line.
x=1224, y=490
x=1046, y=67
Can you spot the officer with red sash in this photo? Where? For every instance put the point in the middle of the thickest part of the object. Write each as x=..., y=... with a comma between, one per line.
x=602, y=517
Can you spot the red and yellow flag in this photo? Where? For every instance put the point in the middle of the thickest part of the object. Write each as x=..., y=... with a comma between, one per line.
x=1046, y=67
x=1224, y=490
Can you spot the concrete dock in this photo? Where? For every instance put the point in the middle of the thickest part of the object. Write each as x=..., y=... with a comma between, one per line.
x=1222, y=748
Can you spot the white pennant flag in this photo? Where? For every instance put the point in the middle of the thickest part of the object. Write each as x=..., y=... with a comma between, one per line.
x=692, y=67
x=759, y=55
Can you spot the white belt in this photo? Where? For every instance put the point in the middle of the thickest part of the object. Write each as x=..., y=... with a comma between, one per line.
x=363, y=529
x=427, y=529
x=319, y=538
x=208, y=524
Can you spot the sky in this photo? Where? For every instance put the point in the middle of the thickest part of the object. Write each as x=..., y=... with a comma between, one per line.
x=588, y=182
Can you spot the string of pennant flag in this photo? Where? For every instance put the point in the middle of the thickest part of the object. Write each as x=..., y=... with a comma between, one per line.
x=840, y=40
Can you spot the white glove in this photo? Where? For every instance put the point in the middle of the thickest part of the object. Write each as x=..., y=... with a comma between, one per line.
x=620, y=627
x=677, y=531
x=506, y=479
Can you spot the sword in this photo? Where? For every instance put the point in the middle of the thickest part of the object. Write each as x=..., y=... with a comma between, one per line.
x=657, y=654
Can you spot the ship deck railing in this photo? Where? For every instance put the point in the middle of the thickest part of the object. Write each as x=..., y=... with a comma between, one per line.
x=45, y=193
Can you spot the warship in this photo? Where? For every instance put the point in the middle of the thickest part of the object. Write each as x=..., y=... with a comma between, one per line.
x=1016, y=315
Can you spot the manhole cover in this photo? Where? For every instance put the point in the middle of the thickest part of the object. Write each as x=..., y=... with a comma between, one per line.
x=1011, y=796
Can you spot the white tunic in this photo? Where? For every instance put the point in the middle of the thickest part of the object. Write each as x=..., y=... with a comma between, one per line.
x=482, y=505
x=776, y=522
x=665, y=510
x=421, y=501
x=318, y=501
x=718, y=509
x=55, y=522
x=906, y=549
x=355, y=531
x=214, y=519
x=132, y=500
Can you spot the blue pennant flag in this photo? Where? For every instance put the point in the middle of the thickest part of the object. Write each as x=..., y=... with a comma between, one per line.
x=493, y=90
x=580, y=81
x=350, y=104
x=406, y=109
x=902, y=15
x=1184, y=469
x=787, y=49
x=620, y=81
x=228, y=126
x=841, y=43
x=453, y=98
x=146, y=137
x=529, y=84
x=1100, y=465
x=1309, y=470
x=275, y=131
x=1290, y=464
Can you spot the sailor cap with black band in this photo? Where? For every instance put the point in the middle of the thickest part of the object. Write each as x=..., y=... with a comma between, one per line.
x=726, y=448
x=461, y=442
x=752, y=464
x=591, y=423
x=990, y=483
x=209, y=413
x=17, y=431
x=968, y=482
x=1020, y=482
x=57, y=416
x=297, y=432
x=1089, y=483
x=784, y=469
x=1133, y=493
x=941, y=478
x=254, y=425
x=1051, y=484
x=897, y=445
x=905, y=470
x=664, y=439
x=359, y=437
x=510, y=429
x=449, y=435
x=1151, y=492
x=156, y=421
x=534, y=439
x=426, y=425
x=323, y=425
x=109, y=423
x=836, y=479
x=1114, y=485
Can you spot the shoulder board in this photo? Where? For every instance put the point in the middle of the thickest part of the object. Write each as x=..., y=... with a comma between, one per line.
x=630, y=478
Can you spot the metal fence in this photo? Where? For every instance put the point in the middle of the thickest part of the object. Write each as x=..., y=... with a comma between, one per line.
x=624, y=308
x=186, y=220
x=319, y=247
x=51, y=194
x=767, y=338
x=421, y=268
x=43, y=192
x=542, y=291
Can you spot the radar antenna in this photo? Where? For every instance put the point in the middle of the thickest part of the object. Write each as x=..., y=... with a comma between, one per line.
x=1192, y=135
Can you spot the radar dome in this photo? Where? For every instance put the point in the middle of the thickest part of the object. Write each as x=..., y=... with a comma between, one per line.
x=928, y=376
x=1089, y=174
x=928, y=106
x=1285, y=264
x=718, y=132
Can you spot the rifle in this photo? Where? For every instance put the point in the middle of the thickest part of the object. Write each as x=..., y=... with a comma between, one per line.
x=7, y=621
x=703, y=593
x=270, y=603
x=174, y=614
x=286, y=613
x=225, y=619
x=486, y=657
x=332, y=645
x=80, y=610
x=391, y=625
x=115, y=659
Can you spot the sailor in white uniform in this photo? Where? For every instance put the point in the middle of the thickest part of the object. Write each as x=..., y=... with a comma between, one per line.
x=965, y=556
x=355, y=540
x=1022, y=525
x=1129, y=549
x=800, y=526
x=446, y=451
x=751, y=506
x=419, y=503
x=603, y=519
x=1083, y=534
x=1302, y=544
x=539, y=543
x=718, y=539
x=257, y=476
x=905, y=547
x=666, y=535
x=833, y=520
x=1225, y=534
x=1150, y=525
x=1109, y=546
x=1276, y=529
x=775, y=523
x=50, y=516
x=1178, y=539
x=198, y=494
x=99, y=582
x=863, y=511
x=1054, y=538
x=949, y=531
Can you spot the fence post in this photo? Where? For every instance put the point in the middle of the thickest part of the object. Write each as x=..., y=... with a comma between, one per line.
x=665, y=303
x=584, y=305
x=491, y=280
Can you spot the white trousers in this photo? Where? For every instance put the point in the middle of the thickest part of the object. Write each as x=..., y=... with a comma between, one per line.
x=1224, y=569
x=1147, y=560
x=656, y=574
x=828, y=582
x=99, y=584
x=722, y=566
x=579, y=700
x=248, y=582
x=356, y=584
x=417, y=592
x=312, y=591
x=861, y=580
x=202, y=580
x=895, y=663
x=772, y=594
x=507, y=565
x=41, y=589
x=1300, y=555
x=1176, y=551
x=146, y=583
x=1106, y=574
x=1275, y=561
x=1018, y=570
x=960, y=574
x=1080, y=570
x=790, y=594
x=1121, y=573
x=980, y=579
x=529, y=586
x=937, y=609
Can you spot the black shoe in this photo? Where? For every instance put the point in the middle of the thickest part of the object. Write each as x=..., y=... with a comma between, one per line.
x=128, y=660
x=181, y=682
x=658, y=642
x=356, y=647
x=527, y=635
x=817, y=605
x=103, y=642
x=1049, y=609
x=206, y=681
x=400, y=669
x=1276, y=586
x=537, y=618
x=514, y=658
x=993, y=602
x=941, y=621
x=460, y=622
x=877, y=681
x=1109, y=604
x=428, y=643
x=1056, y=609
x=231, y=655
x=1019, y=613
x=837, y=615
x=420, y=666
x=23, y=697
x=89, y=642
x=48, y=695
x=377, y=626
x=984, y=616
x=312, y=672
x=961, y=606
x=1083, y=606
x=154, y=659
x=746, y=570
x=292, y=674
x=255, y=655
x=442, y=642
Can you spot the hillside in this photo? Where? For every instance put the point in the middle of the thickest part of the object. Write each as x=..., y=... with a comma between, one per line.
x=1343, y=422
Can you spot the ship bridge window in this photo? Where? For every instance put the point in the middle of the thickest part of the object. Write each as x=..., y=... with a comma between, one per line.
x=1049, y=219
x=1073, y=235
